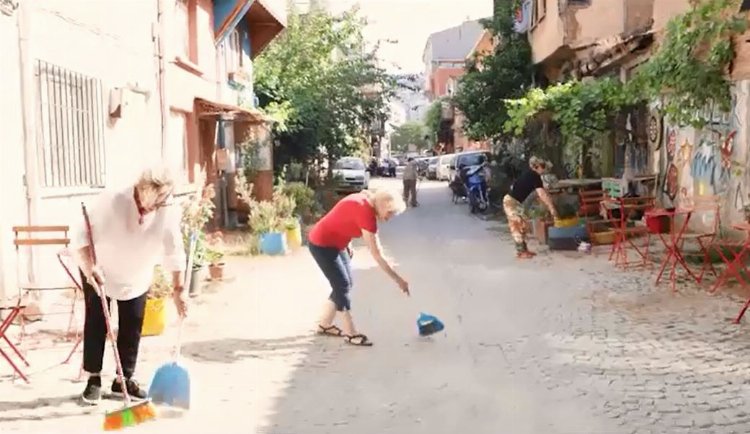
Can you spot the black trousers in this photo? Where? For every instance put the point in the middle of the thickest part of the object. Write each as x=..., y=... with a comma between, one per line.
x=95, y=331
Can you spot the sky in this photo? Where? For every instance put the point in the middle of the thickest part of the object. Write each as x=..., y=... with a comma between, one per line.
x=410, y=22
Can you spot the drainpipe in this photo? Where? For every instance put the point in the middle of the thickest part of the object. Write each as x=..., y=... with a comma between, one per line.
x=28, y=118
x=27, y=112
x=163, y=107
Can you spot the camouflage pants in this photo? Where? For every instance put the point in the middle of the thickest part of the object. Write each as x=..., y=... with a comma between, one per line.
x=516, y=221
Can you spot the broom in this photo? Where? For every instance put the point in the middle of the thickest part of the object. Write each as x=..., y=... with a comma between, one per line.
x=131, y=414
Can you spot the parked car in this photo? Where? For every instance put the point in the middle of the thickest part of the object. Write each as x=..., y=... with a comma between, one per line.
x=470, y=158
x=432, y=166
x=443, y=167
x=351, y=174
x=387, y=167
x=422, y=165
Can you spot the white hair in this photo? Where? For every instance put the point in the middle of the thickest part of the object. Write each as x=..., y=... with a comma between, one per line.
x=387, y=200
x=159, y=177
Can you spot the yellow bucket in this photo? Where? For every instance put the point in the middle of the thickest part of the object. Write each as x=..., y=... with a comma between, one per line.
x=294, y=236
x=566, y=223
x=155, y=317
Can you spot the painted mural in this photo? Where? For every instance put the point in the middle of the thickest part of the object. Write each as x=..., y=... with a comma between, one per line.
x=708, y=162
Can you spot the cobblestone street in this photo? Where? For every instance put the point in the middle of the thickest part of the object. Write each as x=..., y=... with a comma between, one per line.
x=564, y=343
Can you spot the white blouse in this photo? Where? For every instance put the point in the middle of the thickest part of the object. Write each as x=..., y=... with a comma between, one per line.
x=127, y=251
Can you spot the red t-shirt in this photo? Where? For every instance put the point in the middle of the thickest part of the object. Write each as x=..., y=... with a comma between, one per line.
x=344, y=222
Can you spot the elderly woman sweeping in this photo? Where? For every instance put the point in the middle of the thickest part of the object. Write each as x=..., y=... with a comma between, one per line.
x=355, y=216
x=133, y=230
x=529, y=182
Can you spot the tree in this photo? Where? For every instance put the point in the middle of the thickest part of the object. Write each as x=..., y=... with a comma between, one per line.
x=433, y=118
x=322, y=87
x=410, y=133
x=505, y=74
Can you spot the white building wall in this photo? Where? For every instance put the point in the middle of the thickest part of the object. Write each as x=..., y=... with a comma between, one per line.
x=110, y=41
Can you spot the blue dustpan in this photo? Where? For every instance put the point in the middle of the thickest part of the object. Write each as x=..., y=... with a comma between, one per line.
x=428, y=324
x=171, y=382
x=171, y=386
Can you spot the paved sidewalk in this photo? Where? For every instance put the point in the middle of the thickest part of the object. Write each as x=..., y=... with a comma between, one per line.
x=563, y=343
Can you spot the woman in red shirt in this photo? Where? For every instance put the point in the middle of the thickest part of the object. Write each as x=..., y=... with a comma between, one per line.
x=352, y=217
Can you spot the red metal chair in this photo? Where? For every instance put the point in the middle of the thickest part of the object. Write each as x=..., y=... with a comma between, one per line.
x=704, y=211
x=734, y=253
x=13, y=310
x=35, y=238
x=620, y=210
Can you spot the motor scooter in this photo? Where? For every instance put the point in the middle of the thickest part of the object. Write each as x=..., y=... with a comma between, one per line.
x=476, y=187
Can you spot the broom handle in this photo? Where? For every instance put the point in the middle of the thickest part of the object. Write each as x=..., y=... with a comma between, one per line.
x=105, y=308
x=186, y=287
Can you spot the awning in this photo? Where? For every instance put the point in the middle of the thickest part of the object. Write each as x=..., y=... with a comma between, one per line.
x=265, y=25
x=210, y=109
x=263, y=21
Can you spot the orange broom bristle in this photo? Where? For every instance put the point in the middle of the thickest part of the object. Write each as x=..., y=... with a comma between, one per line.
x=129, y=416
x=144, y=411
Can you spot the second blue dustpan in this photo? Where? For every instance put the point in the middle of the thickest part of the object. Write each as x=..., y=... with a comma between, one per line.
x=429, y=324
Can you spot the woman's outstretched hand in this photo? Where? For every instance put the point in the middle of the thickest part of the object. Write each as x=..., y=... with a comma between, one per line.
x=403, y=284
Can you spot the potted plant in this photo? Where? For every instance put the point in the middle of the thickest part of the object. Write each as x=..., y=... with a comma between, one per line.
x=293, y=232
x=215, y=256
x=199, y=264
x=265, y=222
x=197, y=211
x=155, y=315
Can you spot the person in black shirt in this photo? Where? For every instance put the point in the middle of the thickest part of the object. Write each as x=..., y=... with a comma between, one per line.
x=526, y=184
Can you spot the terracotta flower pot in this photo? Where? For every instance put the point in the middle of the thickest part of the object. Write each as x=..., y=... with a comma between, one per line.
x=216, y=271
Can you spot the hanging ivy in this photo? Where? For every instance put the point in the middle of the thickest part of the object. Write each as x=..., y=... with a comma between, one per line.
x=690, y=70
x=583, y=110
x=688, y=73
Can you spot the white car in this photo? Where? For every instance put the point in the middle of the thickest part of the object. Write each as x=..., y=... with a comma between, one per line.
x=443, y=167
x=351, y=174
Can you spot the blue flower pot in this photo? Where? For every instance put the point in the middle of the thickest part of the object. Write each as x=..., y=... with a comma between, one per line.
x=273, y=243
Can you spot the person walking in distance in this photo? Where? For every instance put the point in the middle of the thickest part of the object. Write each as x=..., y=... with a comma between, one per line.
x=133, y=229
x=411, y=173
x=529, y=182
x=354, y=216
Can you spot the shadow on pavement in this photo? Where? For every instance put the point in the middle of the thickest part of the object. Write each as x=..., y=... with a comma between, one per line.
x=233, y=350
x=65, y=406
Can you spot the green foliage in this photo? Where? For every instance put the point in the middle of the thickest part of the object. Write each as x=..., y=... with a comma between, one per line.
x=304, y=198
x=318, y=80
x=161, y=284
x=264, y=218
x=491, y=80
x=410, y=133
x=690, y=68
x=688, y=74
x=432, y=119
x=582, y=110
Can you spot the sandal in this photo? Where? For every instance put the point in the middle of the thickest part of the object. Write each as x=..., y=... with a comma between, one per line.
x=330, y=331
x=363, y=341
x=525, y=255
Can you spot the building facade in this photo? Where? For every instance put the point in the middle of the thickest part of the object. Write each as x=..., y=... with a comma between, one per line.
x=588, y=39
x=135, y=91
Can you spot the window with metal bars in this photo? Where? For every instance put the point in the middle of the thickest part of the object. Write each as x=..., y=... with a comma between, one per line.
x=70, y=128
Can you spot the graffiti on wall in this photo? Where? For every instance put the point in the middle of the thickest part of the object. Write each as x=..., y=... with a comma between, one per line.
x=710, y=176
